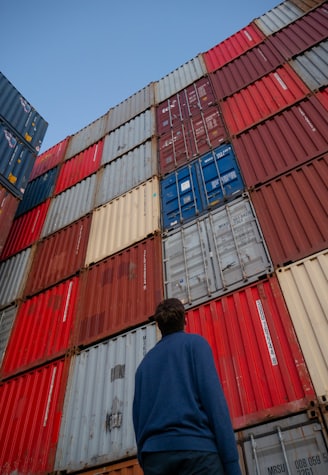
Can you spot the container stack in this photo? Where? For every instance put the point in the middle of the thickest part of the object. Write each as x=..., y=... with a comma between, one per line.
x=22, y=130
x=208, y=185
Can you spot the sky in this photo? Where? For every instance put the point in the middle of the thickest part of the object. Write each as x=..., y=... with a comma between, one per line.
x=73, y=60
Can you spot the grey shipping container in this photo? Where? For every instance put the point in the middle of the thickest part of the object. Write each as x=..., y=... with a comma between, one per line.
x=278, y=17
x=7, y=317
x=294, y=445
x=215, y=254
x=13, y=273
x=312, y=66
x=97, y=419
x=17, y=113
x=16, y=162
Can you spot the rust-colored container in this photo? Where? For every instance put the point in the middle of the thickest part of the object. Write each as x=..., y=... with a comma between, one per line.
x=306, y=5
x=49, y=159
x=232, y=47
x=263, y=98
x=245, y=69
x=25, y=230
x=260, y=364
x=191, y=138
x=292, y=212
x=79, y=167
x=303, y=33
x=119, y=292
x=58, y=256
x=322, y=96
x=129, y=467
x=8, y=206
x=42, y=329
x=31, y=409
x=283, y=142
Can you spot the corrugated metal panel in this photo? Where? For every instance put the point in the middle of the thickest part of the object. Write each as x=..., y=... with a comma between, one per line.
x=130, y=467
x=25, y=230
x=16, y=162
x=232, y=47
x=31, y=409
x=195, y=98
x=17, y=112
x=190, y=139
x=291, y=445
x=205, y=183
x=278, y=17
x=70, y=205
x=127, y=171
x=263, y=98
x=7, y=317
x=303, y=33
x=259, y=361
x=79, y=167
x=96, y=426
x=307, y=5
x=42, y=329
x=132, y=106
x=322, y=96
x=65, y=250
x=13, y=273
x=304, y=286
x=38, y=191
x=129, y=136
x=283, y=142
x=120, y=292
x=49, y=159
x=292, y=211
x=87, y=136
x=312, y=66
x=215, y=254
x=245, y=69
x=8, y=207
x=180, y=78
x=124, y=221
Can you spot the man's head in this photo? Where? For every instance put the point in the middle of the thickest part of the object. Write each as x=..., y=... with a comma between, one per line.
x=170, y=316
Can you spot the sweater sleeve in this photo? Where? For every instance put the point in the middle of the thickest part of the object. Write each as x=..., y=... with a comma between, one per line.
x=214, y=403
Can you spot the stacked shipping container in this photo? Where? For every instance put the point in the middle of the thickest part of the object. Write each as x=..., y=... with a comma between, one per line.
x=209, y=185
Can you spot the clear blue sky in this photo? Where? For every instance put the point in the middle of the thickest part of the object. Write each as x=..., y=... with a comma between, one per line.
x=75, y=59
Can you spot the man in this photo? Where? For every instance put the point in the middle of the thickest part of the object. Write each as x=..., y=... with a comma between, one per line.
x=180, y=416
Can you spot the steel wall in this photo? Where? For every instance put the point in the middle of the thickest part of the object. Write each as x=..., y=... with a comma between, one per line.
x=13, y=274
x=49, y=159
x=7, y=318
x=278, y=17
x=8, y=206
x=312, y=66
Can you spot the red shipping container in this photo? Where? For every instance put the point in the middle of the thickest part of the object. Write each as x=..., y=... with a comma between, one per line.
x=283, y=142
x=79, y=167
x=322, y=96
x=49, y=159
x=120, y=292
x=292, y=212
x=58, y=256
x=42, y=329
x=263, y=98
x=245, y=69
x=8, y=206
x=303, y=33
x=197, y=97
x=192, y=138
x=25, y=230
x=259, y=361
x=31, y=409
x=232, y=47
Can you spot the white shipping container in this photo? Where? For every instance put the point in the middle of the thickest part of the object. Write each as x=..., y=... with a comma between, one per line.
x=97, y=418
x=13, y=273
x=127, y=172
x=129, y=136
x=217, y=253
x=124, y=221
x=304, y=286
x=7, y=317
x=180, y=78
x=278, y=17
x=70, y=205
x=312, y=66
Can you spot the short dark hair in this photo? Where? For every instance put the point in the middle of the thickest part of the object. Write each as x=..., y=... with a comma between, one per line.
x=170, y=316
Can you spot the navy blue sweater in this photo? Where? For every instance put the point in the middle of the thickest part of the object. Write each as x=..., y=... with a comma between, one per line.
x=179, y=403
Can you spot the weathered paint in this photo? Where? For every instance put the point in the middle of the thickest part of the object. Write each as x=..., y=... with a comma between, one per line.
x=8, y=206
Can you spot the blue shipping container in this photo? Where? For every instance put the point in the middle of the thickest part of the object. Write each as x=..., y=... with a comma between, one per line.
x=16, y=162
x=20, y=116
x=37, y=191
x=206, y=183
